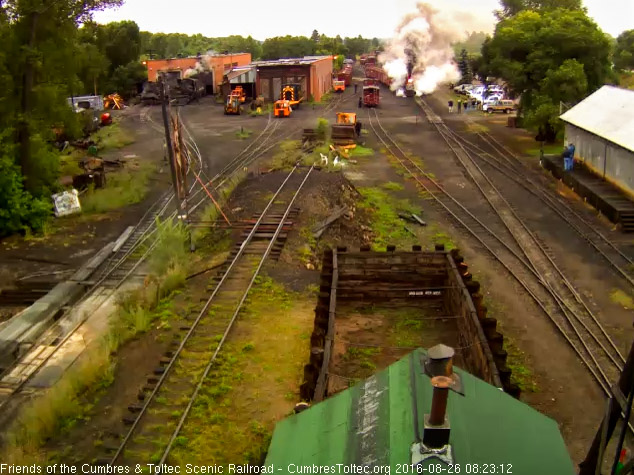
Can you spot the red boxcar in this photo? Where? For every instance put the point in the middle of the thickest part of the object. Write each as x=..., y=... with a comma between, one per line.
x=376, y=72
x=345, y=75
x=371, y=95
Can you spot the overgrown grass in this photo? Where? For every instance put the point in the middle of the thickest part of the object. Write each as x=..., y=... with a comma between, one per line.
x=123, y=188
x=112, y=136
x=408, y=327
x=549, y=149
x=323, y=129
x=59, y=408
x=621, y=298
x=392, y=186
x=210, y=213
x=70, y=400
x=360, y=151
x=441, y=237
x=243, y=133
x=516, y=362
x=362, y=358
x=386, y=225
x=287, y=154
x=325, y=98
x=262, y=362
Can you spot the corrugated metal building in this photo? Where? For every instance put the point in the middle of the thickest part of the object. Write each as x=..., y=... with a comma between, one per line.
x=241, y=76
x=313, y=73
x=381, y=422
x=216, y=64
x=602, y=129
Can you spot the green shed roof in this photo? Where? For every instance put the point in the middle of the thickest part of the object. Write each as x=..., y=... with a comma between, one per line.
x=372, y=423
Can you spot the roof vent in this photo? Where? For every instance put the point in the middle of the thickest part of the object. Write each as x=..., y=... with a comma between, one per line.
x=438, y=365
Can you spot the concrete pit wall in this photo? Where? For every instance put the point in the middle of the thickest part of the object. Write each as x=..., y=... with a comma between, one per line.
x=392, y=275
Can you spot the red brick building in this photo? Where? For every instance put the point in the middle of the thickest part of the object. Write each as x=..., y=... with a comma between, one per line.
x=313, y=73
x=218, y=64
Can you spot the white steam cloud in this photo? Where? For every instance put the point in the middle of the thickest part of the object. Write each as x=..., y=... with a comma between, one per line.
x=200, y=66
x=425, y=38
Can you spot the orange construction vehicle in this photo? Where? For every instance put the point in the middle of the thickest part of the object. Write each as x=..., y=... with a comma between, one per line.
x=293, y=94
x=347, y=130
x=282, y=108
x=239, y=92
x=339, y=86
x=232, y=106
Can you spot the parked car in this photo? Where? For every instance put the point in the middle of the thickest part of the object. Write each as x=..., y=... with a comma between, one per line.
x=490, y=100
x=477, y=91
x=505, y=105
x=463, y=88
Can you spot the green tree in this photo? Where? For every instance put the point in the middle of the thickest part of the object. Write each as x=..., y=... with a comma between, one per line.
x=624, y=51
x=547, y=57
x=513, y=7
x=41, y=46
x=315, y=36
x=465, y=67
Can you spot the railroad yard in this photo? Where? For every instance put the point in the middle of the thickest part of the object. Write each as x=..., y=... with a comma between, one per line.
x=312, y=269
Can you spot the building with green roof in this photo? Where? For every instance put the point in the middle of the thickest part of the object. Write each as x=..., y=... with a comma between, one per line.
x=382, y=421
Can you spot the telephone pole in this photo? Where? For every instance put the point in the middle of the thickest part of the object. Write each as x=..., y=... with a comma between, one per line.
x=170, y=146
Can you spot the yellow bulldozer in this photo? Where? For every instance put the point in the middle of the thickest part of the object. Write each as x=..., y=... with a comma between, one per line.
x=346, y=131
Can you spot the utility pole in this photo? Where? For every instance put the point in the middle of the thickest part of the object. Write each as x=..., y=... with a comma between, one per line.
x=170, y=147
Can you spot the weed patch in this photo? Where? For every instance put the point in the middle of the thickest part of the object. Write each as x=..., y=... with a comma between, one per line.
x=621, y=298
x=386, y=224
x=59, y=408
x=123, y=188
x=243, y=133
x=288, y=153
x=262, y=362
x=516, y=362
x=360, y=151
x=392, y=185
x=112, y=136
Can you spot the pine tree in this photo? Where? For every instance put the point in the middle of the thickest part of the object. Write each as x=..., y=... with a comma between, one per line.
x=465, y=67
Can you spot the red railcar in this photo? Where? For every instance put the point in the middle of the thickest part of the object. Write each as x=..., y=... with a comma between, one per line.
x=345, y=75
x=377, y=72
x=371, y=96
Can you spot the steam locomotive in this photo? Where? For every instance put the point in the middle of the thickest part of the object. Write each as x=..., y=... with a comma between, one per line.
x=410, y=89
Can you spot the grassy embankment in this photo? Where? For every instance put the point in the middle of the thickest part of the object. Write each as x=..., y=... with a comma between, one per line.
x=255, y=381
x=69, y=401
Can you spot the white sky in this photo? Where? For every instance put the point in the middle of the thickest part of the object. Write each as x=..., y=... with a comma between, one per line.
x=369, y=18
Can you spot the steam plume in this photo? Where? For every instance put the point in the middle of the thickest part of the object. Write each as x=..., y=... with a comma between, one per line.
x=200, y=66
x=424, y=39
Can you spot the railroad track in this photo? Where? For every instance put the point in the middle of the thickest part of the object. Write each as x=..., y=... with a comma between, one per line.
x=126, y=259
x=175, y=386
x=505, y=162
x=534, y=269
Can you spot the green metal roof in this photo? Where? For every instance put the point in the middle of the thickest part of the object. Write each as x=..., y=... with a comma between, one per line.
x=372, y=423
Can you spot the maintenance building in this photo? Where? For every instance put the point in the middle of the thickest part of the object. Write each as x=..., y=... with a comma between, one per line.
x=312, y=73
x=601, y=128
x=211, y=68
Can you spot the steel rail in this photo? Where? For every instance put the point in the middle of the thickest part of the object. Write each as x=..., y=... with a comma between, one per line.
x=494, y=254
x=544, y=255
x=185, y=414
x=196, y=322
x=451, y=135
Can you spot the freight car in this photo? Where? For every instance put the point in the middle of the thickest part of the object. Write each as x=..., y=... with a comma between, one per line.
x=377, y=72
x=345, y=75
x=371, y=94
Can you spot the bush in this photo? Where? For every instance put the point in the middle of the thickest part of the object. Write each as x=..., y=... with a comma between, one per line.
x=171, y=248
x=19, y=210
x=322, y=129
